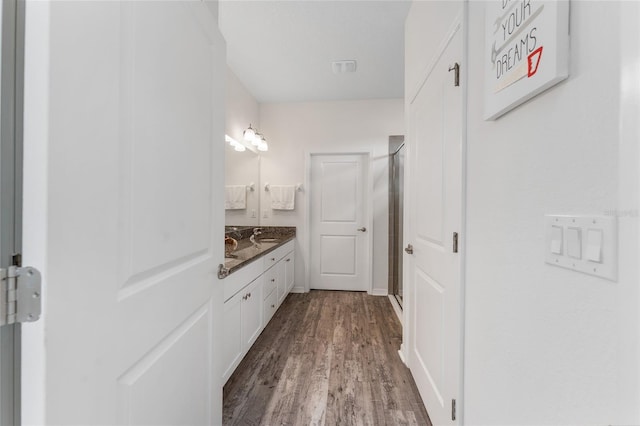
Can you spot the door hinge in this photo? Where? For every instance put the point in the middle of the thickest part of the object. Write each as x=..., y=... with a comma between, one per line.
x=20, y=291
x=453, y=409
x=455, y=242
x=456, y=79
x=16, y=259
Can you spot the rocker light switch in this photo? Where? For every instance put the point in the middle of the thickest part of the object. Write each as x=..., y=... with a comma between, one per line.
x=594, y=245
x=556, y=239
x=574, y=242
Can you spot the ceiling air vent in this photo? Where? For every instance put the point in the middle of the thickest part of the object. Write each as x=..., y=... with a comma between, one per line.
x=341, y=67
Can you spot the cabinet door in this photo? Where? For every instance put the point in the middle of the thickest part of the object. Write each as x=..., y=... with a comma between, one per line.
x=289, y=263
x=270, y=306
x=282, y=285
x=270, y=281
x=251, y=312
x=232, y=347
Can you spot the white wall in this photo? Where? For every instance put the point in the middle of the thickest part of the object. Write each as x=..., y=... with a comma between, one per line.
x=296, y=129
x=241, y=108
x=544, y=345
x=241, y=168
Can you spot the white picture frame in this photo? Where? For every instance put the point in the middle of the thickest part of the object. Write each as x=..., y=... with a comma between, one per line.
x=526, y=51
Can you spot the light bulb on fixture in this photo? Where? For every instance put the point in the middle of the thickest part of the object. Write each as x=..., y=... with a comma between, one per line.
x=234, y=143
x=257, y=139
x=262, y=146
x=249, y=134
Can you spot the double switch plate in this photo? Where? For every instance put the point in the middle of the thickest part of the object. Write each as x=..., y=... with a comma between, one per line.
x=582, y=243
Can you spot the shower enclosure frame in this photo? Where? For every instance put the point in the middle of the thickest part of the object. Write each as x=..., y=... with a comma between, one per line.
x=396, y=211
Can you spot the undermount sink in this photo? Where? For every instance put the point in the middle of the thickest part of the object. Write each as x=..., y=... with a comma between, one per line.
x=269, y=240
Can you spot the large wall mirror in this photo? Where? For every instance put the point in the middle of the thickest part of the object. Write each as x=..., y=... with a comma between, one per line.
x=242, y=169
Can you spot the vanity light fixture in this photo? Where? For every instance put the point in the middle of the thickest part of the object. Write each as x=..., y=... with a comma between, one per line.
x=262, y=146
x=256, y=139
x=235, y=144
x=249, y=134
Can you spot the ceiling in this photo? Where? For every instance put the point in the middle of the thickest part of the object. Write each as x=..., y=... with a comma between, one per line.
x=282, y=50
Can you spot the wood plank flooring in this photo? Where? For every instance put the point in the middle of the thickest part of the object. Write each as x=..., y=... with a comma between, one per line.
x=326, y=358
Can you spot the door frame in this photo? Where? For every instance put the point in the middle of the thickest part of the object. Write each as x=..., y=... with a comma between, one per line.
x=460, y=23
x=368, y=156
x=12, y=51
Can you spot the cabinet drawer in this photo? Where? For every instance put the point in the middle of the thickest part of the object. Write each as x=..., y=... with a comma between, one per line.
x=270, y=281
x=270, y=307
x=239, y=279
x=272, y=258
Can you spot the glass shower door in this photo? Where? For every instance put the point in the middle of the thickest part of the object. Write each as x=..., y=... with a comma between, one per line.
x=396, y=210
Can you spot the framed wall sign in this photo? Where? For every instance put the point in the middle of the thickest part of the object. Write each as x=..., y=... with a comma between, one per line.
x=526, y=51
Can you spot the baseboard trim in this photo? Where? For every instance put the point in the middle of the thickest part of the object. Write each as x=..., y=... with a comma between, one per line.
x=297, y=289
x=401, y=354
x=396, y=307
x=379, y=292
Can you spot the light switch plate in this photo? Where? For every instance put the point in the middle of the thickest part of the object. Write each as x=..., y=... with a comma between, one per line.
x=589, y=232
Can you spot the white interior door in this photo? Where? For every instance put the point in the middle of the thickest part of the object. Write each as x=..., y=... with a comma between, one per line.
x=339, y=218
x=433, y=214
x=134, y=177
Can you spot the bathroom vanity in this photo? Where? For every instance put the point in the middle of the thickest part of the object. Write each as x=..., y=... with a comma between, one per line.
x=260, y=277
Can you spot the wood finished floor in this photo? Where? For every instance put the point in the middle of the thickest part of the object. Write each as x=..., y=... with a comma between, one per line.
x=326, y=358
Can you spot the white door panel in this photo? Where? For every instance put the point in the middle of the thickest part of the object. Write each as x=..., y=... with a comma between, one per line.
x=135, y=167
x=338, y=254
x=429, y=298
x=435, y=213
x=339, y=218
x=174, y=366
x=160, y=152
x=339, y=186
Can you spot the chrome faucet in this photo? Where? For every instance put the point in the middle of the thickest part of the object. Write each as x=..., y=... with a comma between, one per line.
x=256, y=232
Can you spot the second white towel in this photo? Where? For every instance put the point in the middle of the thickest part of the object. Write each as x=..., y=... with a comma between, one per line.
x=235, y=197
x=283, y=197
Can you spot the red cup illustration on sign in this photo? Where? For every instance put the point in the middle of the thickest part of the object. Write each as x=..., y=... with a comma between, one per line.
x=533, y=61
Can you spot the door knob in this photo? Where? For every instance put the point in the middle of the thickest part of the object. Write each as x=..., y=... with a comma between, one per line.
x=409, y=249
x=363, y=229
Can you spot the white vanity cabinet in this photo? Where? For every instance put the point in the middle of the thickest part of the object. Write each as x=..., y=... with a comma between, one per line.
x=270, y=293
x=285, y=275
x=289, y=271
x=252, y=295
x=242, y=324
x=251, y=319
x=277, y=265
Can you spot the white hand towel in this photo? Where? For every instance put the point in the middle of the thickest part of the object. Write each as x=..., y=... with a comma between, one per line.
x=283, y=197
x=235, y=197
